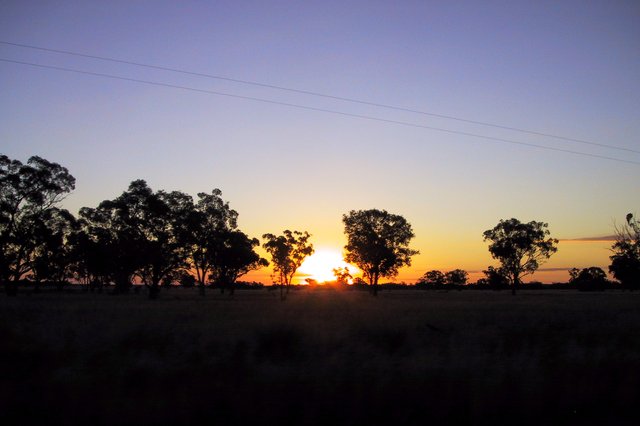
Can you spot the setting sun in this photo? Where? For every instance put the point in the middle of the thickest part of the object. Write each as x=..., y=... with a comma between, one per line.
x=321, y=264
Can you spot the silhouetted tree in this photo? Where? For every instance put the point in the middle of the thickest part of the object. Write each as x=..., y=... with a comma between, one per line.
x=140, y=232
x=157, y=218
x=27, y=192
x=106, y=249
x=110, y=249
x=287, y=252
x=343, y=276
x=232, y=255
x=625, y=260
x=210, y=218
x=589, y=279
x=52, y=257
x=456, y=277
x=433, y=278
x=495, y=278
x=573, y=274
x=377, y=243
x=520, y=247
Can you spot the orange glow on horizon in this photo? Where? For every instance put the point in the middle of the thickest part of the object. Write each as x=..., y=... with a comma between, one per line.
x=471, y=256
x=320, y=265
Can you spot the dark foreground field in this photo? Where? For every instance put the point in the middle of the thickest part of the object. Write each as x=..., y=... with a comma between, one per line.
x=320, y=358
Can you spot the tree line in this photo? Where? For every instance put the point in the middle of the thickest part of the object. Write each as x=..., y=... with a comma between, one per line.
x=522, y=247
x=158, y=237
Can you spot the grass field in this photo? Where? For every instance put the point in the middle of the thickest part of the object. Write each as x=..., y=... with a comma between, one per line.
x=405, y=357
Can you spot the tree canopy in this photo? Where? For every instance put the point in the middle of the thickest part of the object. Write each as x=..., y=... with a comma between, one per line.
x=27, y=194
x=457, y=277
x=435, y=278
x=287, y=252
x=140, y=231
x=495, y=278
x=520, y=247
x=625, y=260
x=378, y=243
x=588, y=279
x=210, y=219
x=232, y=255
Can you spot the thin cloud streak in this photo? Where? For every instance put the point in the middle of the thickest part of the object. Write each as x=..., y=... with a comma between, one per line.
x=606, y=238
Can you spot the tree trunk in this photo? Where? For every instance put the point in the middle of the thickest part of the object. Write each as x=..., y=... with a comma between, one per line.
x=201, y=274
x=154, y=291
x=375, y=284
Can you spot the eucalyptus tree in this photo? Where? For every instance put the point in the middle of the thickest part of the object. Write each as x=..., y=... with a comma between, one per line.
x=108, y=250
x=625, y=260
x=438, y=279
x=287, y=252
x=27, y=192
x=377, y=243
x=141, y=234
x=53, y=256
x=520, y=247
x=89, y=260
x=495, y=278
x=161, y=233
x=457, y=277
x=589, y=279
x=433, y=278
x=209, y=220
x=232, y=254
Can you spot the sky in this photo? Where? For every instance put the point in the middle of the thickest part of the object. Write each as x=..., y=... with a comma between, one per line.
x=569, y=69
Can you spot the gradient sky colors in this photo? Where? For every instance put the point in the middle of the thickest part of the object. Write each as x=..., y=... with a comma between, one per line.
x=569, y=68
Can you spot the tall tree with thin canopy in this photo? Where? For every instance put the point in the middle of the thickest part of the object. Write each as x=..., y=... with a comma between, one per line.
x=287, y=251
x=377, y=243
x=520, y=247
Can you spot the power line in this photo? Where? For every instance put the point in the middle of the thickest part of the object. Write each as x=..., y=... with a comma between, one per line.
x=310, y=108
x=323, y=95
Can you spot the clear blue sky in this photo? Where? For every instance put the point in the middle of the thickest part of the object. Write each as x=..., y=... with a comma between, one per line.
x=568, y=68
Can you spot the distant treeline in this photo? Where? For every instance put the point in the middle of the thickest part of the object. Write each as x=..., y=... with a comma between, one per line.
x=159, y=239
x=73, y=286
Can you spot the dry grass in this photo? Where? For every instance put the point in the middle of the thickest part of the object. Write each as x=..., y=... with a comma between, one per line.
x=321, y=358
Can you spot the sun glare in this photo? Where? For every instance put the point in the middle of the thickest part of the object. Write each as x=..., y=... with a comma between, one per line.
x=320, y=265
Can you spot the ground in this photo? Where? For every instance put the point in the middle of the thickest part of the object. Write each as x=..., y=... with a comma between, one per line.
x=323, y=357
